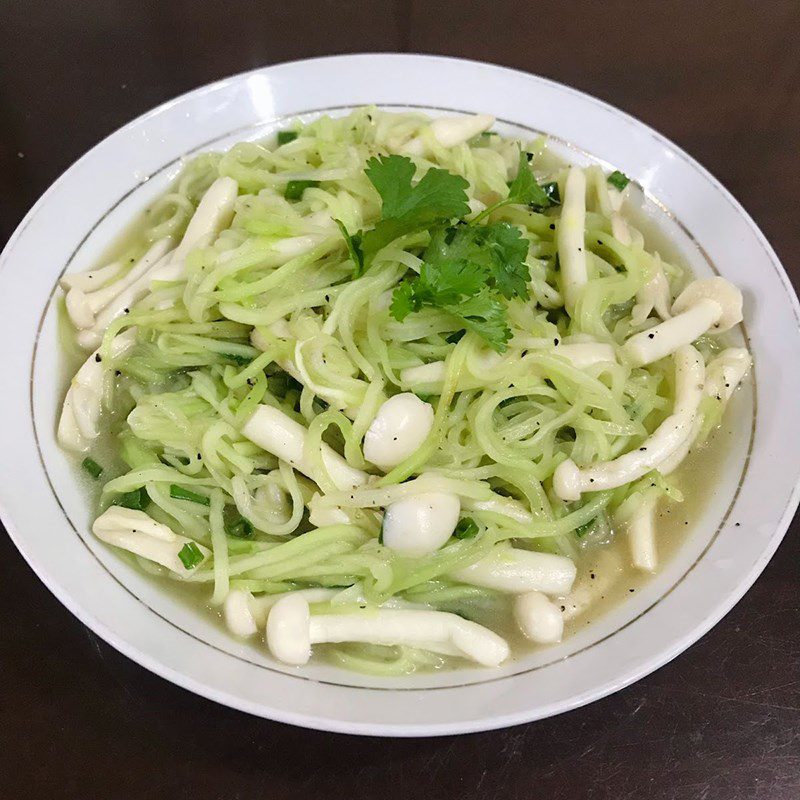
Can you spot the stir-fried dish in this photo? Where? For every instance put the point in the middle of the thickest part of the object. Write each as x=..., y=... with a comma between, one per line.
x=380, y=386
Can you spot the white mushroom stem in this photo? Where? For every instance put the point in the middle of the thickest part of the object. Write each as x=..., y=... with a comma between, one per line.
x=280, y=435
x=569, y=237
x=245, y=614
x=655, y=294
x=120, y=304
x=292, y=630
x=726, y=371
x=138, y=533
x=79, y=424
x=569, y=481
x=538, y=618
x=518, y=571
x=213, y=214
x=418, y=525
x=586, y=354
x=712, y=304
x=91, y=279
x=641, y=529
x=594, y=583
x=723, y=376
x=451, y=131
x=401, y=425
x=83, y=307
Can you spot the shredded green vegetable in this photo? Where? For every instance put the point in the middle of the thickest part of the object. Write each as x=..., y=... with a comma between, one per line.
x=349, y=273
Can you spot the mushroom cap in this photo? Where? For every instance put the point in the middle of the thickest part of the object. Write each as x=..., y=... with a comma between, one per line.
x=288, y=630
x=567, y=482
x=538, y=618
x=421, y=523
x=238, y=614
x=722, y=292
x=401, y=425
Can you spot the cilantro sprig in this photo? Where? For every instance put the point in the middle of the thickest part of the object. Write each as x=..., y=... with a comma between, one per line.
x=406, y=207
x=525, y=191
x=467, y=270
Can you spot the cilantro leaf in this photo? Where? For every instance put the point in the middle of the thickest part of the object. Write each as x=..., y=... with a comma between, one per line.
x=405, y=299
x=438, y=195
x=498, y=249
x=353, y=242
x=523, y=189
x=406, y=208
x=440, y=285
x=486, y=316
x=458, y=288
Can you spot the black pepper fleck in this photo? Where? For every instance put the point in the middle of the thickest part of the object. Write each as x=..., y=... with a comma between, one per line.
x=552, y=226
x=651, y=336
x=97, y=358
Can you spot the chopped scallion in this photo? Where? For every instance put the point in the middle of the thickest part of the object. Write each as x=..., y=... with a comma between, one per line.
x=92, y=467
x=284, y=137
x=619, y=180
x=179, y=493
x=136, y=499
x=190, y=555
x=235, y=524
x=466, y=529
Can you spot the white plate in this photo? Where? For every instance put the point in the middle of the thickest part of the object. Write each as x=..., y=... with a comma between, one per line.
x=47, y=515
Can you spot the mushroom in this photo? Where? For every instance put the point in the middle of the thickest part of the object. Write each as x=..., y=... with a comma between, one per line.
x=245, y=614
x=569, y=481
x=726, y=371
x=586, y=354
x=594, y=583
x=84, y=306
x=516, y=571
x=91, y=279
x=280, y=435
x=723, y=376
x=139, y=533
x=711, y=304
x=213, y=214
x=655, y=294
x=569, y=237
x=401, y=425
x=78, y=425
x=418, y=525
x=292, y=630
x=451, y=131
x=538, y=618
x=641, y=530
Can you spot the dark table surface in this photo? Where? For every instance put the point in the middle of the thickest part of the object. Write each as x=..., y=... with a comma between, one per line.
x=722, y=722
